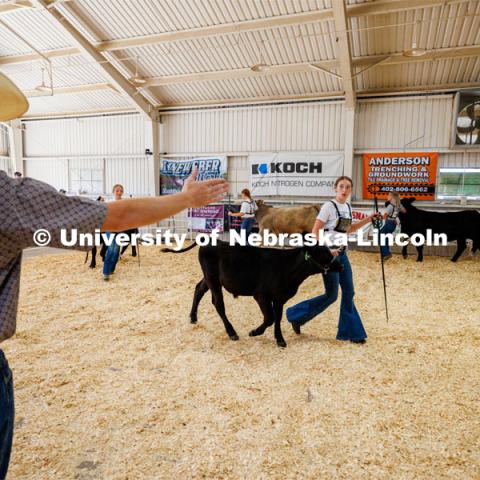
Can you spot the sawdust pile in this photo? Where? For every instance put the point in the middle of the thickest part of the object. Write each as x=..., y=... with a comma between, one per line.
x=112, y=382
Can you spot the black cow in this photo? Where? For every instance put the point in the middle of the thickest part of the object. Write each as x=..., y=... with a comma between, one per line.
x=458, y=226
x=271, y=276
x=103, y=249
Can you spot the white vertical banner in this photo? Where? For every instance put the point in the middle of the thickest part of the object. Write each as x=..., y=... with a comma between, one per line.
x=293, y=173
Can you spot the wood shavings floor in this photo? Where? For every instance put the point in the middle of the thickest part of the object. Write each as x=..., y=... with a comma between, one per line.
x=112, y=382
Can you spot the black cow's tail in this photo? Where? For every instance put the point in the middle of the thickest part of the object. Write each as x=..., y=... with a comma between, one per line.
x=170, y=250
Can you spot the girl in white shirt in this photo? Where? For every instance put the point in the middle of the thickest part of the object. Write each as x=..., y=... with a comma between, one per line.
x=335, y=217
x=247, y=212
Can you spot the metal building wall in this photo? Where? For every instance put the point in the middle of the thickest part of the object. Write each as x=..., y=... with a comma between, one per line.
x=53, y=171
x=115, y=144
x=3, y=141
x=106, y=135
x=404, y=123
x=300, y=127
x=132, y=173
x=5, y=164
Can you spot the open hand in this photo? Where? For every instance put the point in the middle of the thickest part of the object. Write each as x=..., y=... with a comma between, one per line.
x=202, y=193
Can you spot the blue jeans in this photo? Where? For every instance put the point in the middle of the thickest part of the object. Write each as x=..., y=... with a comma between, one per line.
x=350, y=325
x=7, y=414
x=389, y=227
x=247, y=225
x=111, y=257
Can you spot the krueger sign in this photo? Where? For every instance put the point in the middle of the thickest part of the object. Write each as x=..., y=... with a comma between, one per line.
x=284, y=174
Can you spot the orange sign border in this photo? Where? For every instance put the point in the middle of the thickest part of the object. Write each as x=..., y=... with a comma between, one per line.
x=405, y=189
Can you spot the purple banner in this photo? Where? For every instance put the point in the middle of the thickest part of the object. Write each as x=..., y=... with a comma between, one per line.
x=206, y=219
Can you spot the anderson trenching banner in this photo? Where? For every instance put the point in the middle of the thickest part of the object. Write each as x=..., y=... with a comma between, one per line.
x=174, y=172
x=291, y=173
x=410, y=174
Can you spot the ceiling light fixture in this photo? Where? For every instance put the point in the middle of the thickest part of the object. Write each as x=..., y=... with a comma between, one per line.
x=137, y=79
x=42, y=87
x=414, y=51
x=261, y=66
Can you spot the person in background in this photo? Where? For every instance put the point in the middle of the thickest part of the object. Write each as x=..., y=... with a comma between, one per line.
x=335, y=217
x=247, y=211
x=30, y=205
x=113, y=251
x=391, y=221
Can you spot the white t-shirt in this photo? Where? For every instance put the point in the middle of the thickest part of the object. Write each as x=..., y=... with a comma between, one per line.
x=248, y=209
x=329, y=215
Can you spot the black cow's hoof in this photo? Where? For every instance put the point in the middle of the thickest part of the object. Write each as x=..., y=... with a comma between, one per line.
x=234, y=337
x=281, y=343
x=405, y=257
x=254, y=333
x=193, y=320
x=91, y=266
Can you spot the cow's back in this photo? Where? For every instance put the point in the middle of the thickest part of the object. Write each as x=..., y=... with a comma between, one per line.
x=290, y=220
x=463, y=224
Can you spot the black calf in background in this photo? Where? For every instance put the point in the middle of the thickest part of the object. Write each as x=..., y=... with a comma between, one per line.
x=459, y=226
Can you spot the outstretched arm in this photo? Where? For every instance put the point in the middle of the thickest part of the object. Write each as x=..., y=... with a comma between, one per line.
x=136, y=212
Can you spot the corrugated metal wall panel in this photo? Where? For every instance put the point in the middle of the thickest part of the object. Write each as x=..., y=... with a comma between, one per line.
x=51, y=171
x=301, y=127
x=421, y=122
x=132, y=173
x=5, y=164
x=459, y=159
x=110, y=135
x=238, y=174
x=3, y=141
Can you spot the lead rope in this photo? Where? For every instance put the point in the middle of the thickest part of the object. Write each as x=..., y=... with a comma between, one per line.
x=377, y=223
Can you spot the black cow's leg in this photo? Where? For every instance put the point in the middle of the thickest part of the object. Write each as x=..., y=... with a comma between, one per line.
x=268, y=316
x=405, y=251
x=200, y=290
x=476, y=245
x=122, y=251
x=217, y=299
x=420, y=253
x=134, y=251
x=461, y=246
x=278, y=310
x=93, y=263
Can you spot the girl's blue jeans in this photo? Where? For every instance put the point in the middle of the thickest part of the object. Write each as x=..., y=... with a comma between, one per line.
x=388, y=227
x=350, y=325
x=111, y=257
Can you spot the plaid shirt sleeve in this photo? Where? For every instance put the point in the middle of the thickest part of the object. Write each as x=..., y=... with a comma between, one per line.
x=30, y=205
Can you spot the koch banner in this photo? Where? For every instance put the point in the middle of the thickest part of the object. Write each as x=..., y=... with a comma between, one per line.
x=174, y=172
x=410, y=174
x=299, y=174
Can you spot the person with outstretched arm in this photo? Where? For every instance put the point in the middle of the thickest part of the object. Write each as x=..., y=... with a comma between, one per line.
x=28, y=205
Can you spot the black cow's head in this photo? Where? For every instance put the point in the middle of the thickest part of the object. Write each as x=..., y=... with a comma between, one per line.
x=406, y=207
x=322, y=259
x=407, y=202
